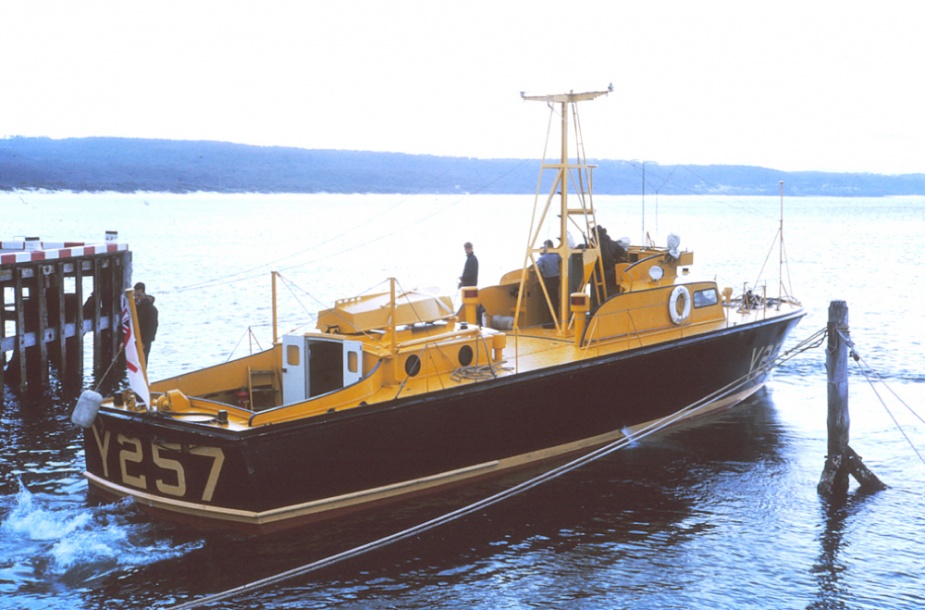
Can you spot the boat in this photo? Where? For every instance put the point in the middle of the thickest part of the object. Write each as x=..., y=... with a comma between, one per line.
x=401, y=393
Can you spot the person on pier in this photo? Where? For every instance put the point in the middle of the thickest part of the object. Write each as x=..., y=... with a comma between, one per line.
x=147, y=318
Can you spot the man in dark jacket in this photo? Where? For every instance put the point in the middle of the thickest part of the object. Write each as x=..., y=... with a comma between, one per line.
x=147, y=318
x=470, y=274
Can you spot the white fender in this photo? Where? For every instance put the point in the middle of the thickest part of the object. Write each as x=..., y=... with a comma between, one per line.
x=679, y=292
x=87, y=406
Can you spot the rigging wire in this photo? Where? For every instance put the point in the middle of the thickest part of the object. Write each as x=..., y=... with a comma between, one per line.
x=814, y=340
x=316, y=245
x=742, y=205
x=236, y=345
x=787, y=269
x=257, y=271
x=252, y=272
x=777, y=238
x=867, y=371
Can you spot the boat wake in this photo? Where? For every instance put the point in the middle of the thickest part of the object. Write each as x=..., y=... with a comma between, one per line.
x=46, y=540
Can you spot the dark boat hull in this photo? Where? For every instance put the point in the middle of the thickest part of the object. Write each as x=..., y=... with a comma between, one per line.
x=286, y=474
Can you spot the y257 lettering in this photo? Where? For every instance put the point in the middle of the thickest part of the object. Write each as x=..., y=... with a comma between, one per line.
x=171, y=479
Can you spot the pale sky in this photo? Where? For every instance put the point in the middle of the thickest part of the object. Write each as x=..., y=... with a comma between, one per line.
x=792, y=85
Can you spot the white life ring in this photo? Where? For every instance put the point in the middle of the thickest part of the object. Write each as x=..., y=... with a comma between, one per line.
x=679, y=292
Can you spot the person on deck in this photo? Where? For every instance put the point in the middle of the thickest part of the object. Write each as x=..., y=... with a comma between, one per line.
x=147, y=318
x=548, y=265
x=470, y=274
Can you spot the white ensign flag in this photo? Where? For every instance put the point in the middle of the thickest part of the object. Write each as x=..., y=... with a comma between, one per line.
x=136, y=376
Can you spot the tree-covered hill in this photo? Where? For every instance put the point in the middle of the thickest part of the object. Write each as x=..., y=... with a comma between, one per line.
x=128, y=165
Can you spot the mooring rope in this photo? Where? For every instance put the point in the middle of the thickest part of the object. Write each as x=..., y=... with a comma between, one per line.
x=867, y=371
x=480, y=372
x=115, y=359
x=658, y=425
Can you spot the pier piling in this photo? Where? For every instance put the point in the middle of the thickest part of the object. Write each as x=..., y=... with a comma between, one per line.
x=841, y=459
x=45, y=310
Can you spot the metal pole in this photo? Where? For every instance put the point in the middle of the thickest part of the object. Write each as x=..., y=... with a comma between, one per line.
x=275, y=333
x=780, y=263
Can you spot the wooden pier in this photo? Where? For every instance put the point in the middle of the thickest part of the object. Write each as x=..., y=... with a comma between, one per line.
x=53, y=293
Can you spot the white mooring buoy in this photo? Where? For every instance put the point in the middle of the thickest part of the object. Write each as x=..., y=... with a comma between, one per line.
x=87, y=406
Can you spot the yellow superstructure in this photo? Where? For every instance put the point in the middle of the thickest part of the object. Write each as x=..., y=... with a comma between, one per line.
x=378, y=347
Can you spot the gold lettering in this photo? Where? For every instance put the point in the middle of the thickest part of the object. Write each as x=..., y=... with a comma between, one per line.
x=761, y=357
x=756, y=354
x=168, y=464
x=103, y=446
x=131, y=456
x=218, y=458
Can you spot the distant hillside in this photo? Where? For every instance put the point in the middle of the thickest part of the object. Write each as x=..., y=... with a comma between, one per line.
x=128, y=165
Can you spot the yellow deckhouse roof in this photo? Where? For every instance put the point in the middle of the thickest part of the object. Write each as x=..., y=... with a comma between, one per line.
x=372, y=312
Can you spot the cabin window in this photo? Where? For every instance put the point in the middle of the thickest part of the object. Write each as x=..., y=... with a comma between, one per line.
x=705, y=298
x=465, y=355
x=412, y=365
x=292, y=355
x=352, y=362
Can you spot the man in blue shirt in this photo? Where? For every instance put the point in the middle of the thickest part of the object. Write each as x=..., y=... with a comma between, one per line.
x=548, y=265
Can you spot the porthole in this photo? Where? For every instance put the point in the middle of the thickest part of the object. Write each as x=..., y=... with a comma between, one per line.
x=412, y=365
x=465, y=355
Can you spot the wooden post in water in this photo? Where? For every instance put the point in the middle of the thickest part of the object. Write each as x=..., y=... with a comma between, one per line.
x=841, y=459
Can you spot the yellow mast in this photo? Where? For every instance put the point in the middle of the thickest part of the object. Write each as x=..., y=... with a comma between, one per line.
x=564, y=250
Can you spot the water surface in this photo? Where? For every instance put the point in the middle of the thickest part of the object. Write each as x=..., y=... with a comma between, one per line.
x=721, y=513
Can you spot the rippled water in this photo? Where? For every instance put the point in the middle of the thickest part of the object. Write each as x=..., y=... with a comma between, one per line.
x=721, y=513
